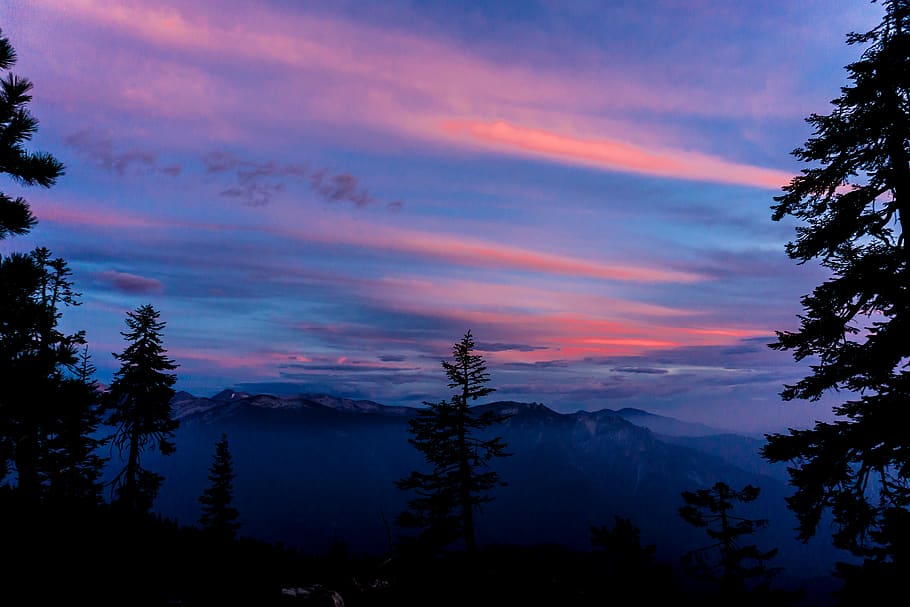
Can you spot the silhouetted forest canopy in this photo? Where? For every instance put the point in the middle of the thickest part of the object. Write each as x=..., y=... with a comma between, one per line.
x=81, y=463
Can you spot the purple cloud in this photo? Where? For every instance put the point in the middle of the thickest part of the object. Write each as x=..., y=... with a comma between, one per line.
x=100, y=150
x=502, y=347
x=340, y=187
x=641, y=370
x=257, y=183
x=131, y=284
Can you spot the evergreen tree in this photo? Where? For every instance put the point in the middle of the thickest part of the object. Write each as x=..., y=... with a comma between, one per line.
x=35, y=357
x=620, y=559
x=17, y=126
x=739, y=571
x=854, y=204
x=139, y=405
x=622, y=546
x=447, y=433
x=75, y=465
x=21, y=316
x=219, y=516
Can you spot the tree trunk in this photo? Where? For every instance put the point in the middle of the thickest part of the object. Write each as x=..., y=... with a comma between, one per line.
x=130, y=486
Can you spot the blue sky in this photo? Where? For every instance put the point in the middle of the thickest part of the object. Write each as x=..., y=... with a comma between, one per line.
x=325, y=196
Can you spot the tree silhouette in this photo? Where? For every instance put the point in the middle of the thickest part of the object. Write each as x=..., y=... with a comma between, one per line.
x=622, y=546
x=447, y=434
x=17, y=126
x=35, y=356
x=855, y=328
x=219, y=516
x=620, y=559
x=75, y=465
x=26, y=365
x=139, y=404
x=739, y=571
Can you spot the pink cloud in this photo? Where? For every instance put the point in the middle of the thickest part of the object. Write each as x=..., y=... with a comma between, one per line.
x=447, y=248
x=486, y=254
x=611, y=154
x=81, y=215
x=343, y=230
x=394, y=82
x=541, y=296
x=87, y=214
x=572, y=336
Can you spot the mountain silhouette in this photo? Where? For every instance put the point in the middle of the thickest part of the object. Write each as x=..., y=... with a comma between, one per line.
x=314, y=470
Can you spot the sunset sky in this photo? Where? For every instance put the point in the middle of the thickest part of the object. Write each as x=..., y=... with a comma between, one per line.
x=324, y=196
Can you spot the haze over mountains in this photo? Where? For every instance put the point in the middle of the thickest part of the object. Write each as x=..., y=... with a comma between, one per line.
x=314, y=469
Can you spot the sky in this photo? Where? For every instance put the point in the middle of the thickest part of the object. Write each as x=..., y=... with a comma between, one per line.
x=325, y=197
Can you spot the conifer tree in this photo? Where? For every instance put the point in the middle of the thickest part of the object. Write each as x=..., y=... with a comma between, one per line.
x=739, y=571
x=447, y=434
x=853, y=203
x=622, y=545
x=620, y=559
x=75, y=465
x=17, y=126
x=35, y=356
x=21, y=276
x=139, y=405
x=219, y=516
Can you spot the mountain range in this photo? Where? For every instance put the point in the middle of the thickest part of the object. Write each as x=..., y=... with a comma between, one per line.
x=316, y=471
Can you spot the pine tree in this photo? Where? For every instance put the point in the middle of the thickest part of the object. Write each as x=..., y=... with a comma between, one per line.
x=75, y=466
x=446, y=433
x=139, y=404
x=17, y=126
x=622, y=546
x=219, y=516
x=620, y=559
x=854, y=206
x=35, y=357
x=739, y=571
x=20, y=278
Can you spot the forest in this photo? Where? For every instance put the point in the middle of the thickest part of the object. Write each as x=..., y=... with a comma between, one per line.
x=73, y=534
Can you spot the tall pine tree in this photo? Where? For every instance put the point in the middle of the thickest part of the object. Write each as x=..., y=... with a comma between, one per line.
x=36, y=357
x=139, y=408
x=75, y=464
x=17, y=126
x=447, y=433
x=854, y=206
x=219, y=516
x=739, y=571
x=25, y=321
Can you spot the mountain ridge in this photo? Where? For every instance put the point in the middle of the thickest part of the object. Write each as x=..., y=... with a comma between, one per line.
x=315, y=468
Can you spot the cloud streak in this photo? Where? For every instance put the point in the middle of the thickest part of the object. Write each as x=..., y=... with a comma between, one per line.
x=438, y=246
x=612, y=155
x=407, y=86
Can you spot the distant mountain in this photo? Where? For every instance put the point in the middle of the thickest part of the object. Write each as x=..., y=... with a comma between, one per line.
x=738, y=449
x=314, y=468
x=666, y=426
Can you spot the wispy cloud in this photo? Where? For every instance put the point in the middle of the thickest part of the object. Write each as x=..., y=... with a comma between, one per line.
x=404, y=85
x=612, y=155
x=100, y=150
x=481, y=253
x=501, y=347
x=641, y=370
x=258, y=182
